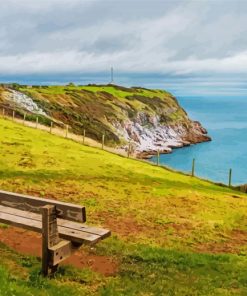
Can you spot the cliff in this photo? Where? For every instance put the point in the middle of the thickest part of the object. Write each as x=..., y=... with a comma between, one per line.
x=151, y=119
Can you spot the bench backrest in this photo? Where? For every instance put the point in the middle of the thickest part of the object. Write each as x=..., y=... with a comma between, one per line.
x=33, y=204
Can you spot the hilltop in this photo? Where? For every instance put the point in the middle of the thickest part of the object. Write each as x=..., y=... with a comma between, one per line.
x=151, y=119
x=172, y=234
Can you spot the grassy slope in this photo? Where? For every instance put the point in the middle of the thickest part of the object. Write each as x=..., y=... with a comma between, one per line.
x=163, y=223
x=96, y=107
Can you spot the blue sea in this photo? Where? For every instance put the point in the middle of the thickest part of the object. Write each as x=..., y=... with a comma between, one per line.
x=225, y=118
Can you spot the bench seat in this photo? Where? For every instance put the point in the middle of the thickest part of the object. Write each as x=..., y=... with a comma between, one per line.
x=61, y=225
x=71, y=231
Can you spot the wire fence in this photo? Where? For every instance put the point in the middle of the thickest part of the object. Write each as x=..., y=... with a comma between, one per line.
x=59, y=128
x=242, y=188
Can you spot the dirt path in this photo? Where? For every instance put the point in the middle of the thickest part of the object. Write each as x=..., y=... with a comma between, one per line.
x=77, y=138
x=29, y=243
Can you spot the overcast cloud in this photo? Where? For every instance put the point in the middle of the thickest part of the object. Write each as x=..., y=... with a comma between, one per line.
x=177, y=37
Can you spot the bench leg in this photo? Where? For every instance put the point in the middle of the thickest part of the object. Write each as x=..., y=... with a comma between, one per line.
x=54, y=250
x=54, y=269
x=49, y=235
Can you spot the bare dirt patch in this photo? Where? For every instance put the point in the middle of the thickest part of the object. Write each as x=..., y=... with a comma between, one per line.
x=123, y=226
x=237, y=240
x=29, y=243
x=182, y=227
x=128, y=227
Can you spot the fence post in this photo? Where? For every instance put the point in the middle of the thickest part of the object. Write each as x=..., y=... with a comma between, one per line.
x=230, y=178
x=51, y=127
x=193, y=167
x=3, y=112
x=66, y=131
x=103, y=141
x=83, y=138
x=158, y=157
x=129, y=148
x=37, y=121
x=24, y=118
x=13, y=115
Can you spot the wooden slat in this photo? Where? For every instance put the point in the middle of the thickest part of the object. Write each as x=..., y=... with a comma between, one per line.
x=103, y=233
x=32, y=204
x=34, y=225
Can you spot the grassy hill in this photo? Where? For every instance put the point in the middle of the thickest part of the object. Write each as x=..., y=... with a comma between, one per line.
x=96, y=107
x=172, y=234
x=152, y=119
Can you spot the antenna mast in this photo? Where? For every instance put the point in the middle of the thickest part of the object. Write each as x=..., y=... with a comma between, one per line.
x=112, y=74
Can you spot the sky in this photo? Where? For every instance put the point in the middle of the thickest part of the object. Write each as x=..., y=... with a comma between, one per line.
x=175, y=43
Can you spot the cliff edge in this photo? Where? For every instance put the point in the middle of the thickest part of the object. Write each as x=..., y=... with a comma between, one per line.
x=150, y=119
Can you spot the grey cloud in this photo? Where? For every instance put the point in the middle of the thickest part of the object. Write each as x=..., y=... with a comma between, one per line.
x=180, y=36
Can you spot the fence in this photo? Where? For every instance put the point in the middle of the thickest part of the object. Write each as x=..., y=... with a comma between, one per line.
x=58, y=128
x=242, y=188
x=61, y=129
x=28, y=116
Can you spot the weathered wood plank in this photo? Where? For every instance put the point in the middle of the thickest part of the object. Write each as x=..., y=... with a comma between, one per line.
x=60, y=252
x=103, y=233
x=33, y=204
x=76, y=236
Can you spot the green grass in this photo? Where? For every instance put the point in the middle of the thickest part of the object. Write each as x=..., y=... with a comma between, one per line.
x=20, y=275
x=120, y=92
x=154, y=271
x=166, y=226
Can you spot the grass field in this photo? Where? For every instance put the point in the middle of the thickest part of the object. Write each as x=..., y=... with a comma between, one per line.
x=172, y=234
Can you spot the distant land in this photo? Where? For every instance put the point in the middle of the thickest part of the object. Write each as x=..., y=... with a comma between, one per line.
x=150, y=119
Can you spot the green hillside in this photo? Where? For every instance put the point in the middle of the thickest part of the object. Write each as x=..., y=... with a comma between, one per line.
x=142, y=115
x=172, y=234
x=95, y=107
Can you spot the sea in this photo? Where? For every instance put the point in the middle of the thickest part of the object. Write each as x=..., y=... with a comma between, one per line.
x=225, y=118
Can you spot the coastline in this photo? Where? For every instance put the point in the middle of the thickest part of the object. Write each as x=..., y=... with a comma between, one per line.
x=181, y=137
x=150, y=154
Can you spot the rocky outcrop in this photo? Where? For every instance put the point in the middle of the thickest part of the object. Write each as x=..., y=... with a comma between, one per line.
x=150, y=119
x=24, y=102
x=148, y=135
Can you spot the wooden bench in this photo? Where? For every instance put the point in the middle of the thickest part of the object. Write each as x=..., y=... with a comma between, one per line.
x=61, y=225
